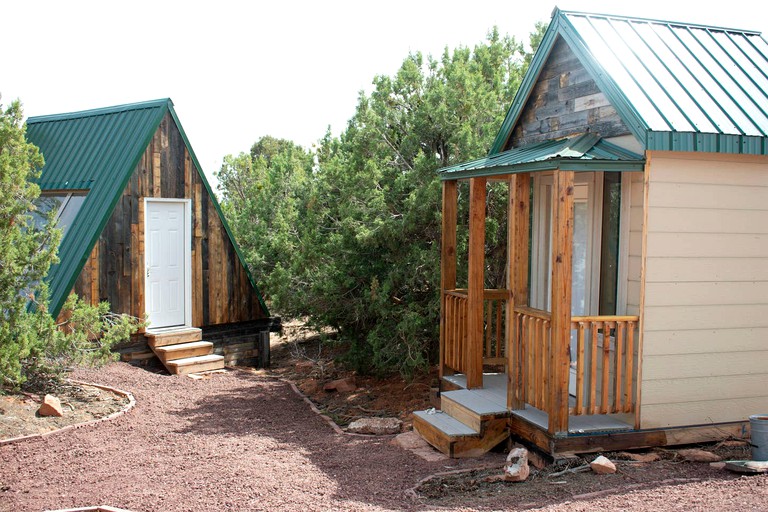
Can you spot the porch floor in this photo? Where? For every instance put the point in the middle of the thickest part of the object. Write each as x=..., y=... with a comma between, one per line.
x=493, y=395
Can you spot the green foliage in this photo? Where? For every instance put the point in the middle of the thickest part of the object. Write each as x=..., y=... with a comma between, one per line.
x=351, y=239
x=32, y=348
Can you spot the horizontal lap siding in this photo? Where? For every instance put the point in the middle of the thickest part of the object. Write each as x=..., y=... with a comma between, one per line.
x=705, y=340
x=221, y=291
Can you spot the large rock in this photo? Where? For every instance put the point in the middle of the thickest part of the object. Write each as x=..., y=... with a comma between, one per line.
x=602, y=466
x=416, y=444
x=516, y=469
x=696, y=455
x=341, y=385
x=641, y=457
x=375, y=426
x=51, y=406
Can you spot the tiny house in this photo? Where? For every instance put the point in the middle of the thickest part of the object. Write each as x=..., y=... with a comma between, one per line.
x=143, y=230
x=635, y=311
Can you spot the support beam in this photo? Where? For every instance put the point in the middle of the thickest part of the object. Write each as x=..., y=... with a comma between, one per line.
x=562, y=270
x=518, y=223
x=447, y=259
x=476, y=283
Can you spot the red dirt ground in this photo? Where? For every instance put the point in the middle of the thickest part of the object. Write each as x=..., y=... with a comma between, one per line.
x=244, y=440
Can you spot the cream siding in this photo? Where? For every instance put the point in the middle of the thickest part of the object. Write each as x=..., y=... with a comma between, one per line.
x=705, y=339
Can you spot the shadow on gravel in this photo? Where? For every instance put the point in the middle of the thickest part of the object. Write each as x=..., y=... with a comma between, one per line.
x=264, y=410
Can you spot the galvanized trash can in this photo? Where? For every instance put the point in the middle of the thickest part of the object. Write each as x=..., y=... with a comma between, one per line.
x=758, y=424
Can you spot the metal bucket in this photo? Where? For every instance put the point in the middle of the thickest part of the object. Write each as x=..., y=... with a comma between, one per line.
x=758, y=425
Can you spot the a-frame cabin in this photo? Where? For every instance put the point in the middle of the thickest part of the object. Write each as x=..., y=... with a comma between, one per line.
x=636, y=307
x=144, y=231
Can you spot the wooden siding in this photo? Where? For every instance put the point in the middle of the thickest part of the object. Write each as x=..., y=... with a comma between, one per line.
x=705, y=359
x=221, y=291
x=565, y=101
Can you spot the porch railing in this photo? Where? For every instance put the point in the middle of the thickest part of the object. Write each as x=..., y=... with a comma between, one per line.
x=456, y=345
x=603, y=366
x=604, y=363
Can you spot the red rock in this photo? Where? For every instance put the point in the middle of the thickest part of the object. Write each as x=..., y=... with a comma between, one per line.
x=696, y=455
x=516, y=469
x=375, y=426
x=641, y=457
x=51, y=406
x=602, y=466
x=341, y=385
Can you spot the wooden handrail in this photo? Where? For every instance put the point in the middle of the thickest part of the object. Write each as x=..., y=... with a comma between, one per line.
x=533, y=312
x=604, y=318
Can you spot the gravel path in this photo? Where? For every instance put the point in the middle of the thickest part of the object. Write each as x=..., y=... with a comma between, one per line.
x=238, y=441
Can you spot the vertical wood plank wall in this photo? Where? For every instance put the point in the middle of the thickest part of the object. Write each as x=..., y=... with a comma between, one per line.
x=221, y=291
x=705, y=356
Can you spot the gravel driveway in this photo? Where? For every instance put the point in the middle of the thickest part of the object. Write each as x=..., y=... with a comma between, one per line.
x=237, y=441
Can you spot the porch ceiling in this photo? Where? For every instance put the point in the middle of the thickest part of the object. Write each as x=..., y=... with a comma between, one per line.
x=585, y=152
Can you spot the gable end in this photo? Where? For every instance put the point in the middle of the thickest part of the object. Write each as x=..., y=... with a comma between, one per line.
x=564, y=101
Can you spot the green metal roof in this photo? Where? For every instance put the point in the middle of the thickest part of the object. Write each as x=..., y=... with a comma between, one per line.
x=676, y=86
x=98, y=150
x=586, y=152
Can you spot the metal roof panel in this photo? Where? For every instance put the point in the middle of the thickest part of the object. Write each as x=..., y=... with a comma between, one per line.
x=585, y=152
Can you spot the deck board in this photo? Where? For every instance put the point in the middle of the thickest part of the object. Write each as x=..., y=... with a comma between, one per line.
x=446, y=423
x=492, y=399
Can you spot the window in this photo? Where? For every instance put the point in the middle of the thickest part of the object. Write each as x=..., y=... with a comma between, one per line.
x=65, y=204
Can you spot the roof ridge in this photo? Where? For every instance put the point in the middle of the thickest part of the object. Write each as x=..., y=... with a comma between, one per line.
x=100, y=111
x=657, y=21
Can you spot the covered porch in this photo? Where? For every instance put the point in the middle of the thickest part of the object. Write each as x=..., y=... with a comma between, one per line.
x=521, y=352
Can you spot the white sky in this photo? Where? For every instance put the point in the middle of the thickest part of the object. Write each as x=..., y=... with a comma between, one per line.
x=238, y=70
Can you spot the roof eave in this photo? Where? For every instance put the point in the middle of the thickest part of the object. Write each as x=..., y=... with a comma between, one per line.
x=706, y=142
x=563, y=164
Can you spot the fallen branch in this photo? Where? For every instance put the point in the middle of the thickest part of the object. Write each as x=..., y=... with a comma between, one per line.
x=578, y=469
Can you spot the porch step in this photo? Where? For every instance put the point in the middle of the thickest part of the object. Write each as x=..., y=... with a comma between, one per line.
x=168, y=353
x=456, y=439
x=195, y=364
x=471, y=409
x=172, y=336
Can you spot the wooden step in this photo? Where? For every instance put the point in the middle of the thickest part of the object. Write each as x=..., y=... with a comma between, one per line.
x=456, y=439
x=470, y=408
x=183, y=350
x=195, y=364
x=172, y=336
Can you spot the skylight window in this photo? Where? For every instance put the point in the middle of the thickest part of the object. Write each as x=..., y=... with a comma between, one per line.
x=65, y=204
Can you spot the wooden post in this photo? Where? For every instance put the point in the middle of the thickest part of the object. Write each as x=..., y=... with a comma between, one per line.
x=518, y=220
x=562, y=251
x=476, y=285
x=447, y=260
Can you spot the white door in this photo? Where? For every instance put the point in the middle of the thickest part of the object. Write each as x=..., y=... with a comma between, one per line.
x=166, y=256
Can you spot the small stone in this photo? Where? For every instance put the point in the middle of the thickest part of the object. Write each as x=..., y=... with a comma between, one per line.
x=375, y=426
x=516, y=469
x=641, y=457
x=696, y=455
x=603, y=466
x=341, y=385
x=51, y=406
